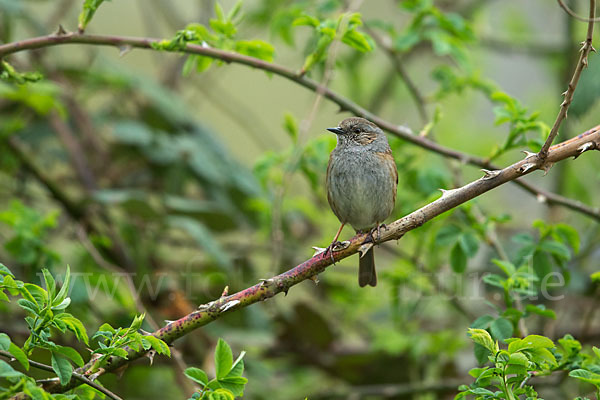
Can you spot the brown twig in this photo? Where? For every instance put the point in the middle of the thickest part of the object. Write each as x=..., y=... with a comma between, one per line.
x=581, y=64
x=589, y=140
x=344, y=103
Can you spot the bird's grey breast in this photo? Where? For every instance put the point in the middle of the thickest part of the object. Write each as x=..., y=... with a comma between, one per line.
x=363, y=189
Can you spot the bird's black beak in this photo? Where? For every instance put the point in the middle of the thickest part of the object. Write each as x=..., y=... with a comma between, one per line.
x=336, y=130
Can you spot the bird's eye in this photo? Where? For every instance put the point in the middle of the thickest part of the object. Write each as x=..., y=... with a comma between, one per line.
x=356, y=130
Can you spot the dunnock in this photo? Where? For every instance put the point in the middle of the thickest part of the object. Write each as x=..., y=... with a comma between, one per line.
x=361, y=183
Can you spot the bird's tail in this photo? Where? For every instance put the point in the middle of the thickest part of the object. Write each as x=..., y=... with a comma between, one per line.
x=366, y=269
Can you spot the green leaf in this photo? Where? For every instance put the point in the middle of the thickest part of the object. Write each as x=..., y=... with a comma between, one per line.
x=4, y=341
x=221, y=394
x=6, y=371
x=19, y=355
x=256, y=48
x=482, y=337
x=501, y=329
x=482, y=322
x=62, y=367
x=223, y=359
x=70, y=353
x=586, y=376
x=64, y=290
x=469, y=244
x=159, y=345
x=458, y=259
x=75, y=326
x=358, y=40
x=518, y=358
x=28, y=306
x=238, y=366
x=540, y=309
x=5, y=271
x=569, y=235
x=291, y=126
x=89, y=9
x=530, y=342
x=596, y=351
x=235, y=384
x=306, y=19
x=197, y=375
x=507, y=267
x=50, y=284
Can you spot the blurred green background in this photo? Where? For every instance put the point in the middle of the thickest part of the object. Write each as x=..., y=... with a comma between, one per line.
x=174, y=186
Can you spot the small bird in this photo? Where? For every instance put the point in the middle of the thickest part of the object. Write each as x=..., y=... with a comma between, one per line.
x=361, y=184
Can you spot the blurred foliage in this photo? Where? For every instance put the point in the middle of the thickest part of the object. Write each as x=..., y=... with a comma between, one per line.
x=159, y=187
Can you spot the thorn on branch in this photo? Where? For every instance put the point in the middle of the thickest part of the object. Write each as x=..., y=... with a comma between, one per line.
x=584, y=147
x=228, y=305
x=526, y=167
x=225, y=291
x=315, y=279
x=489, y=174
x=541, y=198
x=528, y=154
x=546, y=167
x=446, y=192
x=124, y=49
x=364, y=248
x=267, y=282
x=60, y=31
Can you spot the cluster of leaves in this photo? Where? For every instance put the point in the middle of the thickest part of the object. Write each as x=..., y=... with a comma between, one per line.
x=112, y=342
x=45, y=310
x=448, y=33
x=9, y=74
x=507, y=109
x=228, y=382
x=222, y=35
x=524, y=358
x=326, y=30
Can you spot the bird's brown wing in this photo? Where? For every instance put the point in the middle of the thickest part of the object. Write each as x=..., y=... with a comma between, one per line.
x=391, y=164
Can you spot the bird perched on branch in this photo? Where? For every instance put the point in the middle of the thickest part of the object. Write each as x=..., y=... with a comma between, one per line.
x=361, y=184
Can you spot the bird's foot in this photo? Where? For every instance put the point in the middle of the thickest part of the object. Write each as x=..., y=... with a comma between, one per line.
x=333, y=247
x=378, y=230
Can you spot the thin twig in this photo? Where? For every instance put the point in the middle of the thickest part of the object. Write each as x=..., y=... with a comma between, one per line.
x=572, y=13
x=581, y=64
x=344, y=103
x=266, y=289
x=75, y=375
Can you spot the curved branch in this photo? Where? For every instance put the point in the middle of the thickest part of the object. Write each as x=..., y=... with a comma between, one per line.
x=572, y=13
x=345, y=104
x=589, y=140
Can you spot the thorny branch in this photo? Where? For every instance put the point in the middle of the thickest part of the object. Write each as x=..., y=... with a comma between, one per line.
x=589, y=140
x=581, y=64
x=345, y=104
